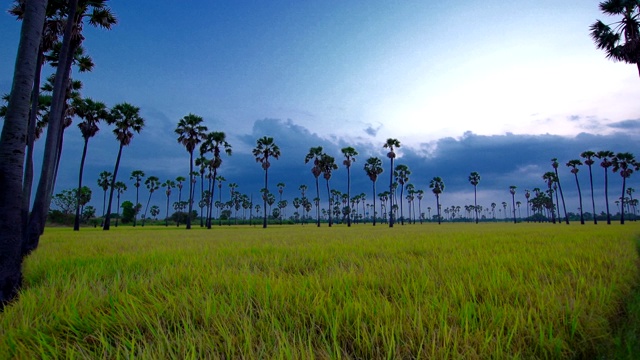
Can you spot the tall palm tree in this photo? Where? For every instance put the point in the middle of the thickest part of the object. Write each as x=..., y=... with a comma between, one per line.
x=588, y=156
x=401, y=173
x=220, y=179
x=573, y=164
x=127, y=120
x=554, y=164
x=550, y=178
x=265, y=148
x=606, y=156
x=632, y=201
x=120, y=189
x=512, y=191
x=437, y=187
x=203, y=163
x=152, y=183
x=190, y=133
x=474, y=179
x=420, y=196
x=327, y=165
x=349, y=157
x=620, y=40
x=168, y=185
x=215, y=143
x=625, y=163
x=137, y=176
x=391, y=144
x=373, y=168
x=92, y=112
x=104, y=181
x=315, y=153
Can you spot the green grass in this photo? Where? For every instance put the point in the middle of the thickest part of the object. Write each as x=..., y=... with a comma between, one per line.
x=460, y=291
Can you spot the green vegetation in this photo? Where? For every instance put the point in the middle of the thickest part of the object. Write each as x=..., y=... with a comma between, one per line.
x=449, y=291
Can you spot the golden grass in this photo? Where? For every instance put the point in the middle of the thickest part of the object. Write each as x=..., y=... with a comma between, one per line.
x=458, y=291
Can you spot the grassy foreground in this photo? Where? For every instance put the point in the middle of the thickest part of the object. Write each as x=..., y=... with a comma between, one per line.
x=460, y=291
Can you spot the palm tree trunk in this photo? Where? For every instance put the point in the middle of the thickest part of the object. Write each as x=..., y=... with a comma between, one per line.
x=374, y=203
x=51, y=152
x=349, y=195
x=166, y=219
x=624, y=184
x=76, y=223
x=318, y=204
x=190, y=190
x=391, y=195
x=606, y=195
x=593, y=201
x=438, y=207
x=475, y=201
x=118, y=208
x=564, y=207
x=401, y=197
x=330, y=203
x=12, y=148
x=107, y=216
x=580, y=200
x=135, y=216
x=264, y=221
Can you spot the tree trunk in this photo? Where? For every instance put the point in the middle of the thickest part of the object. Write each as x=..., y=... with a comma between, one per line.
x=374, y=203
x=190, y=190
x=107, y=217
x=391, y=195
x=12, y=148
x=606, y=195
x=624, y=184
x=76, y=222
x=318, y=204
x=593, y=201
x=53, y=141
x=264, y=222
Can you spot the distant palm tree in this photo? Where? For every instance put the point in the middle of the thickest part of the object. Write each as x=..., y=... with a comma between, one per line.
x=190, y=133
x=573, y=164
x=625, y=163
x=512, y=191
x=127, y=120
x=420, y=196
x=327, y=164
x=215, y=142
x=437, y=186
x=588, y=156
x=315, y=153
x=220, y=179
x=137, y=175
x=120, y=189
x=104, y=181
x=550, y=178
x=153, y=184
x=554, y=164
x=265, y=148
x=611, y=39
x=373, y=168
x=92, y=112
x=168, y=185
x=474, y=179
x=391, y=144
x=349, y=157
x=401, y=173
x=606, y=156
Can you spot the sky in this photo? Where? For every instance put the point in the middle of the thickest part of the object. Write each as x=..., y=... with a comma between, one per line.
x=487, y=86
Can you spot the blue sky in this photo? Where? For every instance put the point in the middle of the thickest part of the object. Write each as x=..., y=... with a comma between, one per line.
x=486, y=86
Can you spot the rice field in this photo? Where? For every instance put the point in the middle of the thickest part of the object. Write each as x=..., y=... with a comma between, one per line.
x=456, y=291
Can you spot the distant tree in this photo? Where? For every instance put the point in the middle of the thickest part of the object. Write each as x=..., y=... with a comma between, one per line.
x=401, y=173
x=127, y=120
x=266, y=148
x=155, y=211
x=128, y=212
x=120, y=189
x=606, y=156
x=137, y=176
x=190, y=133
x=104, y=180
x=327, y=165
x=512, y=191
x=550, y=178
x=554, y=164
x=625, y=163
x=153, y=184
x=588, y=160
x=437, y=186
x=315, y=153
x=573, y=164
x=349, y=157
x=391, y=144
x=622, y=41
x=474, y=179
x=168, y=185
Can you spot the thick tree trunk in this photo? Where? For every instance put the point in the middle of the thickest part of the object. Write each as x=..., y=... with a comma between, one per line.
x=76, y=223
x=107, y=216
x=12, y=151
x=53, y=140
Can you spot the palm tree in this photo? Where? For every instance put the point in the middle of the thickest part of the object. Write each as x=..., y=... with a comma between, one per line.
x=588, y=156
x=401, y=173
x=373, y=168
x=216, y=143
x=327, y=164
x=474, y=179
x=265, y=148
x=611, y=39
x=554, y=163
x=315, y=153
x=512, y=190
x=625, y=163
x=550, y=178
x=573, y=164
x=92, y=112
x=127, y=120
x=606, y=156
x=168, y=185
x=391, y=144
x=632, y=201
x=137, y=176
x=437, y=186
x=104, y=181
x=190, y=133
x=152, y=183
x=349, y=157
x=420, y=196
x=120, y=189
